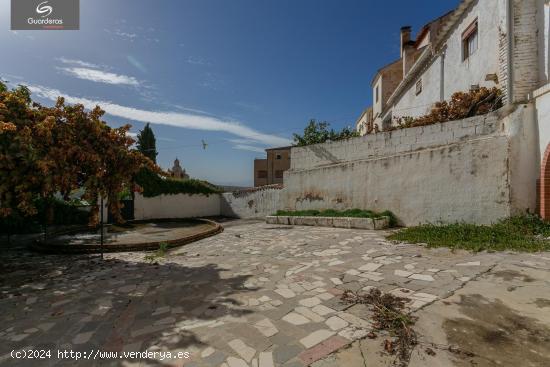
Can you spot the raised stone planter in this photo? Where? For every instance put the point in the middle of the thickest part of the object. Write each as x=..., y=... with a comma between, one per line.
x=341, y=222
x=381, y=223
x=336, y=222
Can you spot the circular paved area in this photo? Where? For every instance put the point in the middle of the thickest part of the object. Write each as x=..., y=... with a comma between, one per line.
x=255, y=295
x=136, y=233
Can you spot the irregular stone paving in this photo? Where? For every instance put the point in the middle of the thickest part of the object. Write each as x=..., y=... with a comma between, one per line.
x=256, y=295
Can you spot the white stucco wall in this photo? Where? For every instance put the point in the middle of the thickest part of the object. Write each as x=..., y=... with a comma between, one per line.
x=542, y=103
x=251, y=204
x=396, y=142
x=176, y=206
x=458, y=75
x=377, y=105
x=476, y=170
x=521, y=129
x=412, y=104
x=543, y=20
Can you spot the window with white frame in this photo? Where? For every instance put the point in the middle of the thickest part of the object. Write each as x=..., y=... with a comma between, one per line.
x=470, y=40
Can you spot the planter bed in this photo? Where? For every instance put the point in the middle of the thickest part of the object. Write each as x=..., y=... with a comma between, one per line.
x=336, y=222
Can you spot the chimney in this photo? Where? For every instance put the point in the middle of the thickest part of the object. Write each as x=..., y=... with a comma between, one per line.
x=405, y=37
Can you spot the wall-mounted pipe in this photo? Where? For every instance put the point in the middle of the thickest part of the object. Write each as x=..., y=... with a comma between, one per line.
x=510, y=40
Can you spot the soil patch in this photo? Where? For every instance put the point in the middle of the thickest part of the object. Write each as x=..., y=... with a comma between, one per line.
x=497, y=335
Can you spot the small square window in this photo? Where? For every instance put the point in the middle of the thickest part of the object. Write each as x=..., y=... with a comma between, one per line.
x=278, y=156
x=419, y=87
x=470, y=41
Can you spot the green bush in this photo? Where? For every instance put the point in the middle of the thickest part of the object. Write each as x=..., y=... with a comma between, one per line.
x=319, y=132
x=526, y=233
x=64, y=214
x=154, y=185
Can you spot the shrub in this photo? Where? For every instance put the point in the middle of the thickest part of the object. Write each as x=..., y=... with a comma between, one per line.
x=462, y=105
x=155, y=185
x=64, y=214
x=319, y=132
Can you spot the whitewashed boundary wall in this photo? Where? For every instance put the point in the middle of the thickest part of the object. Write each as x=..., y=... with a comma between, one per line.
x=176, y=206
x=476, y=170
x=253, y=203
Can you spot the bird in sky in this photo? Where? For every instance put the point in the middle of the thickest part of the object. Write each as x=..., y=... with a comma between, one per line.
x=204, y=144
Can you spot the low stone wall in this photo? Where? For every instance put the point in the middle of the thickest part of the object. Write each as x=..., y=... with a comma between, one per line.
x=476, y=170
x=336, y=222
x=176, y=206
x=254, y=203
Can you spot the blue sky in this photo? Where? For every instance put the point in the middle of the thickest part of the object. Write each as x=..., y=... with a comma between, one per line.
x=241, y=75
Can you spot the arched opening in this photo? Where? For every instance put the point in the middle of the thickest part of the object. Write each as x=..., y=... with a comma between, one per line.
x=544, y=186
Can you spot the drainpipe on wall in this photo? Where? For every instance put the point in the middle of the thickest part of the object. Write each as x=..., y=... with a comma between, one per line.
x=510, y=36
x=442, y=77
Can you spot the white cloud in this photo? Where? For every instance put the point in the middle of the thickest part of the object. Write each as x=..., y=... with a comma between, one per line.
x=122, y=34
x=78, y=62
x=197, y=61
x=132, y=60
x=127, y=35
x=24, y=34
x=242, y=141
x=100, y=76
x=134, y=135
x=177, y=119
x=250, y=148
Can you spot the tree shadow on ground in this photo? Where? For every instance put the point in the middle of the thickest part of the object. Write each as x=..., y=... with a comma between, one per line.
x=81, y=303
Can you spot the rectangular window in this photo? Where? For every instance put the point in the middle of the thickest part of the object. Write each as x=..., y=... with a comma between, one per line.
x=262, y=174
x=278, y=174
x=377, y=94
x=419, y=87
x=470, y=41
x=278, y=156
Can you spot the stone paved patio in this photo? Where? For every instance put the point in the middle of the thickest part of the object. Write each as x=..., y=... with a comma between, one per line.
x=138, y=233
x=256, y=295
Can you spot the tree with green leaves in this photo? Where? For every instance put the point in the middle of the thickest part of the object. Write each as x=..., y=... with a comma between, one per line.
x=147, y=144
x=319, y=132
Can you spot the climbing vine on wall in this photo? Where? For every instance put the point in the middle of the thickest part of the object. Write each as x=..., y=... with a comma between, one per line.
x=154, y=184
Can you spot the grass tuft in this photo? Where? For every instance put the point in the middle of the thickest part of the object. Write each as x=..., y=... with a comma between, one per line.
x=526, y=233
x=158, y=254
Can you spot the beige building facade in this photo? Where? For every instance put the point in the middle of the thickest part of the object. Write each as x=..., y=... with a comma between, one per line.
x=270, y=171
